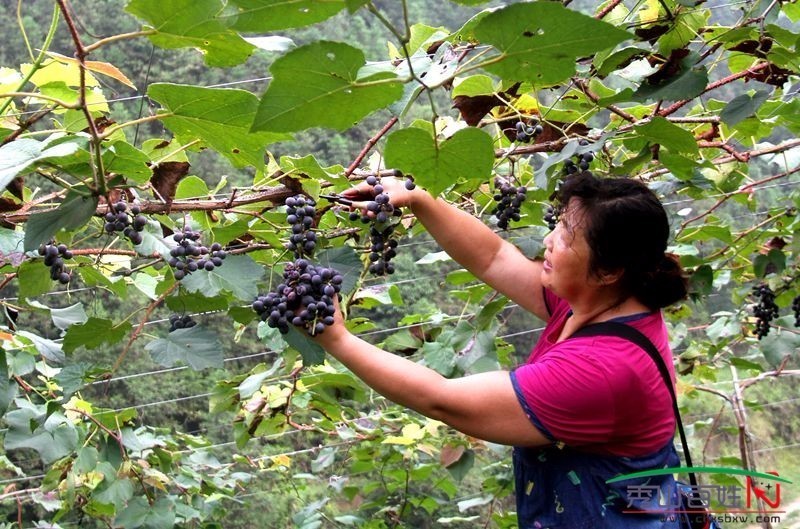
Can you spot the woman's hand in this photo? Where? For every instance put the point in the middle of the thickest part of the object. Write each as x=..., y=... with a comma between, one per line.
x=333, y=334
x=399, y=196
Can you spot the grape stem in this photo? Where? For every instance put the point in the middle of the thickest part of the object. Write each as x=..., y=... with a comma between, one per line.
x=337, y=198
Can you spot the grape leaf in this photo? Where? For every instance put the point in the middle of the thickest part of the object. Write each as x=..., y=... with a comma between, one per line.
x=436, y=166
x=237, y=275
x=193, y=24
x=53, y=436
x=94, y=333
x=269, y=15
x=140, y=514
x=11, y=243
x=742, y=107
x=196, y=347
x=344, y=260
x=50, y=350
x=72, y=377
x=16, y=156
x=311, y=352
x=63, y=318
x=73, y=213
x=153, y=240
x=318, y=85
x=94, y=277
x=780, y=342
x=34, y=279
x=113, y=490
x=540, y=41
x=688, y=82
x=440, y=357
x=197, y=303
x=219, y=117
x=125, y=159
x=659, y=130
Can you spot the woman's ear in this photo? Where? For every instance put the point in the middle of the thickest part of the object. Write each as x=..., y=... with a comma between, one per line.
x=607, y=278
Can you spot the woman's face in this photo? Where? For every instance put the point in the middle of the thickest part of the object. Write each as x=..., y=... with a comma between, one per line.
x=566, y=256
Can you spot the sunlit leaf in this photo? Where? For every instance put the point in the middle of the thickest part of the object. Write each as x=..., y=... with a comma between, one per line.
x=19, y=155
x=270, y=15
x=64, y=317
x=219, y=117
x=540, y=41
x=318, y=85
x=468, y=154
x=193, y=24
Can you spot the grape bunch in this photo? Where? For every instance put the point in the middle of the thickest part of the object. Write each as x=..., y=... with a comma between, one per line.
x=796, y=310
x=383, y=248
x=129, y=222
x=54, y=256
x=551, y=217
x=304, y=298
x=176, y=321
x=528, y=132
x=581, y=162
x=300, y=212
x=765, y=310
x=190, y=255
x=383, y=242
x=509, y=200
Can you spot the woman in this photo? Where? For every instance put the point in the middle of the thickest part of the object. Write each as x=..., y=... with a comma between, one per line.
x=581, y=410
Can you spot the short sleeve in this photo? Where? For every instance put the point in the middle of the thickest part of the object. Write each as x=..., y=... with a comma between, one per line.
x=567, y=396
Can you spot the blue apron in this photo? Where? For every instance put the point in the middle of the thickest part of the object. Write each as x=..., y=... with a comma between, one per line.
x=564, y=488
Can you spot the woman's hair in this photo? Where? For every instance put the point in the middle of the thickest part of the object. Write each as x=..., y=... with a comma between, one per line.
x=627, y=229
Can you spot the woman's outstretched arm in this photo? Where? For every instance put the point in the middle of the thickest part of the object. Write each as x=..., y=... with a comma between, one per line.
x=483, y=405
x=471, y=243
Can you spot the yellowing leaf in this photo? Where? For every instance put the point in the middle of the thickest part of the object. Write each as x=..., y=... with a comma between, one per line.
x=105, y=68
x=281, y=460
x=411, y=433
x=75, y=406
x=156, y=478
x=110, y=263
x=432, y=427
x=9, y=80
x=649, y=12
x=54, y=71
x=527, y=104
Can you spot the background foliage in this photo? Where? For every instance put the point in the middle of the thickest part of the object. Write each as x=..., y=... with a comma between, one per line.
x=210, y=113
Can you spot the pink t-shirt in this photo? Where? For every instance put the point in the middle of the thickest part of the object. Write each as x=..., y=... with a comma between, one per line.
x=601, y=394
